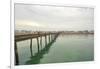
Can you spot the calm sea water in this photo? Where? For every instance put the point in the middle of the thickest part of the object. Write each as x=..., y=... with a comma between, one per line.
x=66, y=48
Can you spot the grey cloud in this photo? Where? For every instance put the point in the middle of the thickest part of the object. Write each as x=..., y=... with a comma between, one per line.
x=56, y=17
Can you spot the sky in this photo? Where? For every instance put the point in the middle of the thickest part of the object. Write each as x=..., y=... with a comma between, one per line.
x=53, y=18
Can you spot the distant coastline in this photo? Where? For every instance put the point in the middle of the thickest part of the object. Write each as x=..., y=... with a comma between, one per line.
x=21, y=32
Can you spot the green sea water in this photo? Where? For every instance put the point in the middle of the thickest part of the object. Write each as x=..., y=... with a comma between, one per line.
x=65, y=48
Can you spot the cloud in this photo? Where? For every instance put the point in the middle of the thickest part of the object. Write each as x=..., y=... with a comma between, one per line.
x=54, y=18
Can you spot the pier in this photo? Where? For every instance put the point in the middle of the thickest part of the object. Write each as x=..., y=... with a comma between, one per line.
x=49, y=37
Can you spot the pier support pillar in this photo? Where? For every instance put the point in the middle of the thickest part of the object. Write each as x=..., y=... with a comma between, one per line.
x=49, y=37
x=41, y=41
x=45, y=40
x=31, y=47
x=16, y=54
x=38, y=43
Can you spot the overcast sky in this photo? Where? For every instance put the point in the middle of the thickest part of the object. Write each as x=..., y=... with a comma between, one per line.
x=52, y=18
